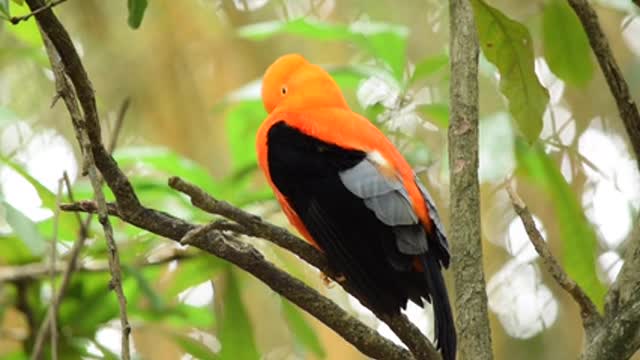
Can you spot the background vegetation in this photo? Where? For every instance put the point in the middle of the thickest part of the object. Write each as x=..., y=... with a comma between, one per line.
x=191, y=70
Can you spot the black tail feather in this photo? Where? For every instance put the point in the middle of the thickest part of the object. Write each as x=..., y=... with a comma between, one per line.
x=445, y=332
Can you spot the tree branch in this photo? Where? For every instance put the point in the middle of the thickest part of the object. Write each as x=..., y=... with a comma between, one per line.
x=17, y=19
x=38, y=271
x=465, y=235
x=65, y=91
x=244, y=256
x=251, y=225
x=627, y=286
x=588, y=311
x=66, y=278
x=618, y=337
x=619, y=89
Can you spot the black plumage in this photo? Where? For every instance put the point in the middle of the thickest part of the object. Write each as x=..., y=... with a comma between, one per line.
x=365, y=224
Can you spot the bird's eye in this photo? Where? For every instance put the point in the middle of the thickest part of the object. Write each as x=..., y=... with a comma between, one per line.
x=283, y=90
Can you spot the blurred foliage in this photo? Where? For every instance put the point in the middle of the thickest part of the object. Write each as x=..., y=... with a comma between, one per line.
x=562, y=35
x=192, y=69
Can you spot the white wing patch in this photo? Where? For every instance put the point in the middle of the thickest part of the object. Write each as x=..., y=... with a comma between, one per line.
x=383, y=165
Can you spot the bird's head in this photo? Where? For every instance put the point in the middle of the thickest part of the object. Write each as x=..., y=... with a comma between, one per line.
x=292, y=82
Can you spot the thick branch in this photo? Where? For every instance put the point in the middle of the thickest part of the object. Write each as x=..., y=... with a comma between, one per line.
x=627, y=286
x=588, y=311
x=466, y=244
x=618, y=337
x=619, y=89
x=252, y=225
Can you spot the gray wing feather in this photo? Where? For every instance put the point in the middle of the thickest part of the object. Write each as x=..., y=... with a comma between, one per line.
x=390, y=202
x=392, y=209
x=387, y=198
x=365, y=181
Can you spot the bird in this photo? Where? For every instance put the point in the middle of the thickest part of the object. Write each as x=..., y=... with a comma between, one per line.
x=350, y=193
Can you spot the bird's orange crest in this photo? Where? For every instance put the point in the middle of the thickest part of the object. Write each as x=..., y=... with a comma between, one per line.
x=294, y=83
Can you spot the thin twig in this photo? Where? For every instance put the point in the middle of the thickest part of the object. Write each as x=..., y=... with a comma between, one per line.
x=114, y=258
x=67, y=183
x=22, y=303
x=66, y=92
x=40, y=270
x=66, y=278
x=52, y=273
x=17, y=19
x=588, y=311
x=617, y=84
x=118, y=126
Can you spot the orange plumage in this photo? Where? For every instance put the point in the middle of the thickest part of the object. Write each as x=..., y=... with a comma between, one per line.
x=350, y=193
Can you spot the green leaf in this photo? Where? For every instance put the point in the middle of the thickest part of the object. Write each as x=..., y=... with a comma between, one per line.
x=386, y=42
x=236, y=332
x=14, y=252
x=136, y=12
x=301, y=330
x=579, y=241
x=167, y=162
x=15, y=355
x=90, y=299
x=438, y=113
x=47, y=196
x=241, y=124
x=303, y=27
x=191, y=273
x=194, y=347
x=67, y=226
x=4, y=8
x=507, y=44
x=26, y=229
x=566, y=46
x=156, y=302
x=27, y=30
x=429, y=66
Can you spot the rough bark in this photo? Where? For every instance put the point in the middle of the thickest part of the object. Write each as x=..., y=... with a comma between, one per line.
x=465, y=236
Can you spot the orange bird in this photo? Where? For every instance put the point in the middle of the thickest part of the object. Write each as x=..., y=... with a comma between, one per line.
x=352, y=195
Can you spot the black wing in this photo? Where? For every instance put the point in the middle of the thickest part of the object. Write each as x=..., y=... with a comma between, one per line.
x=365, y=224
